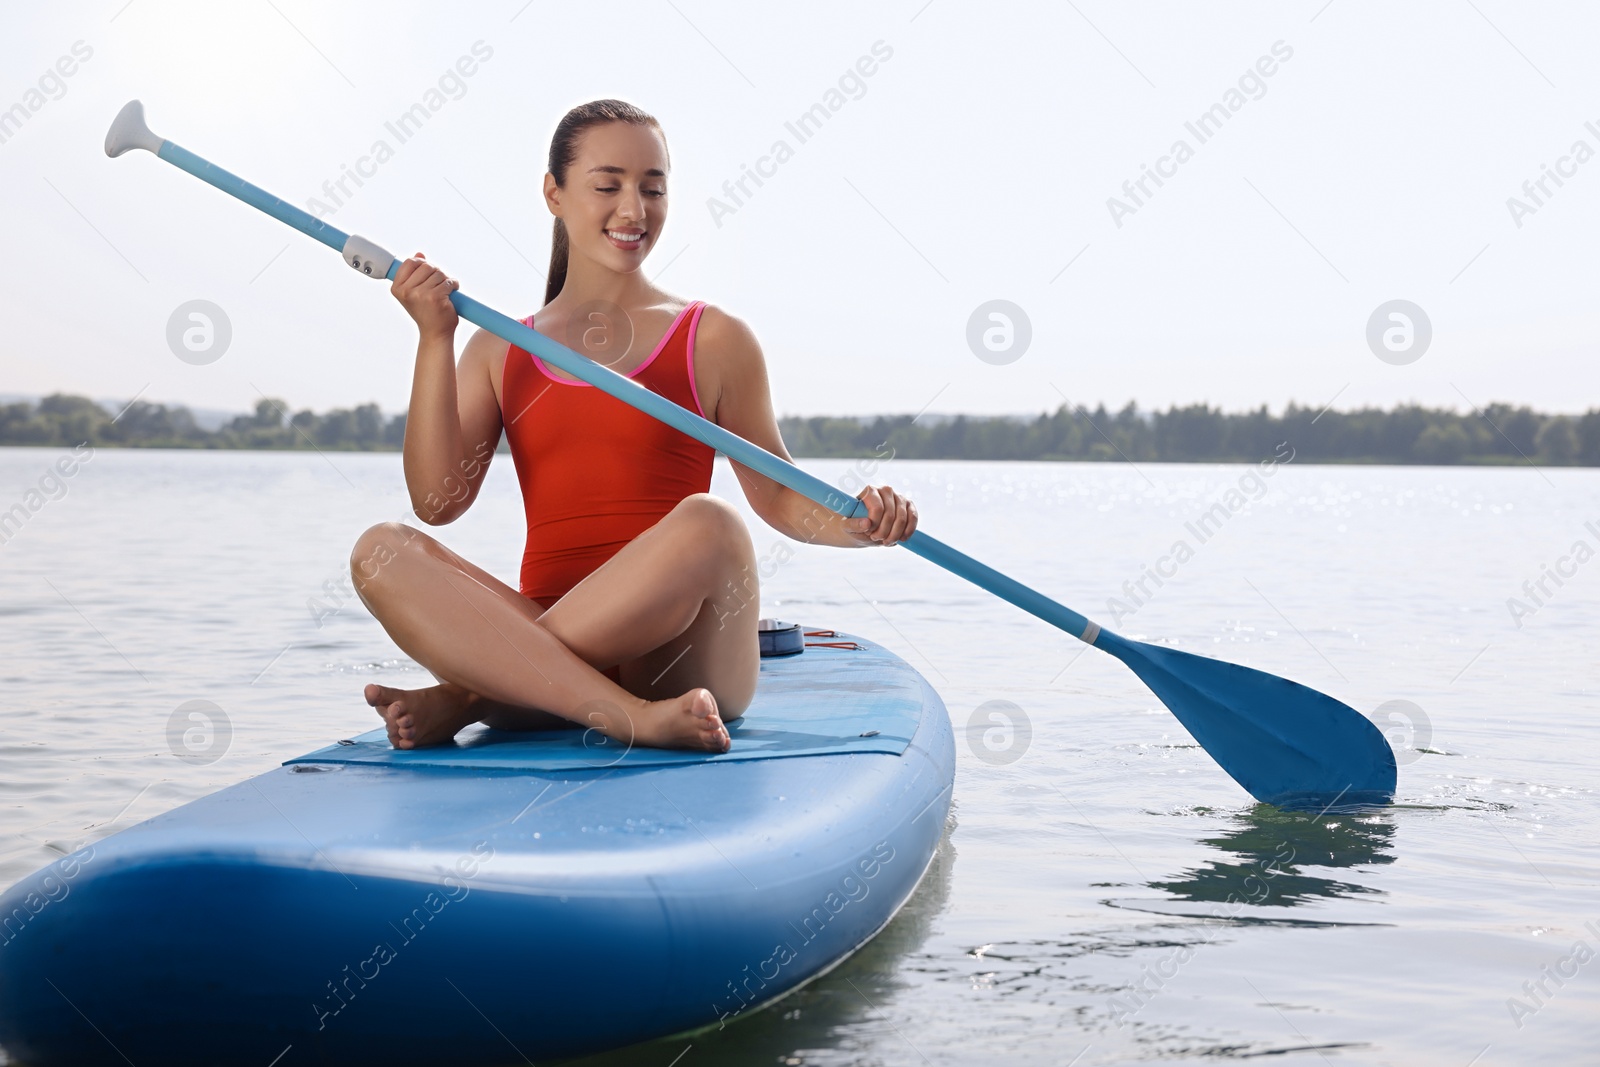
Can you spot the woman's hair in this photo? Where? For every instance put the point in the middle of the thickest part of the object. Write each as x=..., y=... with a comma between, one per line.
x=564, y=150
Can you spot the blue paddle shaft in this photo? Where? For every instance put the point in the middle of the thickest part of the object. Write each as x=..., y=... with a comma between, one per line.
x=653, y=404
x=758, y=459
x=253, y=195
x=986, y=577
x=1285, y=743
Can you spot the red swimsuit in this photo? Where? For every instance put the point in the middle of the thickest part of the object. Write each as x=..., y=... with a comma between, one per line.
x=596, y=473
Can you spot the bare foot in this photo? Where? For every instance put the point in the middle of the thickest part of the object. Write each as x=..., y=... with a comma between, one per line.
x=415, y=718
x=688, y=721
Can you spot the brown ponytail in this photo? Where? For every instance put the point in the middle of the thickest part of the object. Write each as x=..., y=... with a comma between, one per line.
x=563, y=150
x=558, y=261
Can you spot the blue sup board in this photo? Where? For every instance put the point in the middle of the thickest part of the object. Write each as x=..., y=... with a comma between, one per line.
x=510, y=897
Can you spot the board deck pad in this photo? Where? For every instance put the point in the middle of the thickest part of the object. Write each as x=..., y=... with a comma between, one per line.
x=867, y=700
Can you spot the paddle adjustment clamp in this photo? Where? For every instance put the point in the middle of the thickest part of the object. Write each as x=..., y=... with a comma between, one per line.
x=368, y=257
x=1091, y=631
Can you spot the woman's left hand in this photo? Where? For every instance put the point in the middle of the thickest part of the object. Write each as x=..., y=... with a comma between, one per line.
x=890, y=518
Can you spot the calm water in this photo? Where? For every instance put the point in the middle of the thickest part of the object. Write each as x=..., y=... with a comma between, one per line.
x=1105, y=893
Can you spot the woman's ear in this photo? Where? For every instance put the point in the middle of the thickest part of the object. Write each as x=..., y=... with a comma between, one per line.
x=552, y=194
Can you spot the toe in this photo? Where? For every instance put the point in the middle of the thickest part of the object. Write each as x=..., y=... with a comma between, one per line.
x=704, y=705
x=380, y=695
x=716, y=736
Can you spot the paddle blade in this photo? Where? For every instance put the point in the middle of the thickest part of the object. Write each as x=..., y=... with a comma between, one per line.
x=1285, y=743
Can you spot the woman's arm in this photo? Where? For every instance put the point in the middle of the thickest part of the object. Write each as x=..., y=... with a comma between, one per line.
x=730, y=363
x=453, y=423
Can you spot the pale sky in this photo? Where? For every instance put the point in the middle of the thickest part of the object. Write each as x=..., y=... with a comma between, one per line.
x=975, y=163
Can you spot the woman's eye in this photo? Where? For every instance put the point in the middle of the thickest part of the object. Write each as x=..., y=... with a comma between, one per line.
x=648, y=192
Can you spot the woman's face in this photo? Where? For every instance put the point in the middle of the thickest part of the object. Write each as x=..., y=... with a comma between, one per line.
x=615, y=201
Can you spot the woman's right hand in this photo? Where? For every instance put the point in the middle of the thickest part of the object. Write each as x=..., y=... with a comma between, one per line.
x=424, y=291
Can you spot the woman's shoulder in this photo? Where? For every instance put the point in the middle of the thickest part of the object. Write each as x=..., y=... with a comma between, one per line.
x=483, y=352
x=722, y=334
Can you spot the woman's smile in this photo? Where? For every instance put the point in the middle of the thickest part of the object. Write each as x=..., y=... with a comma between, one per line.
x=626, y=239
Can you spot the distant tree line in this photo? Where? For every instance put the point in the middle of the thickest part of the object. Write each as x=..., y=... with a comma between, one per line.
x=1499, y=434
x=69, y=420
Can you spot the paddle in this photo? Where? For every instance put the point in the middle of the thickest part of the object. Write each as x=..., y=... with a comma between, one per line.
x=1285, y=743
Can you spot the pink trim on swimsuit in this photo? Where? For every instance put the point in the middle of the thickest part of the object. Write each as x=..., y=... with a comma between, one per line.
x=660, y=345
x=694, y=325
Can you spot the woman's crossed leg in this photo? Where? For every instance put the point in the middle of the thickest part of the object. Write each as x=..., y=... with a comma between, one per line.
x=675, y=611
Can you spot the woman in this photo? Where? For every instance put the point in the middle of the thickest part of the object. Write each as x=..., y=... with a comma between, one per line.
x=638, y=601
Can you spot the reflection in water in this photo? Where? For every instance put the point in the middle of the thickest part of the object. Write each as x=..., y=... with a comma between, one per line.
x=1266, y=855
x=1267, y=858
x=823, y=1018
